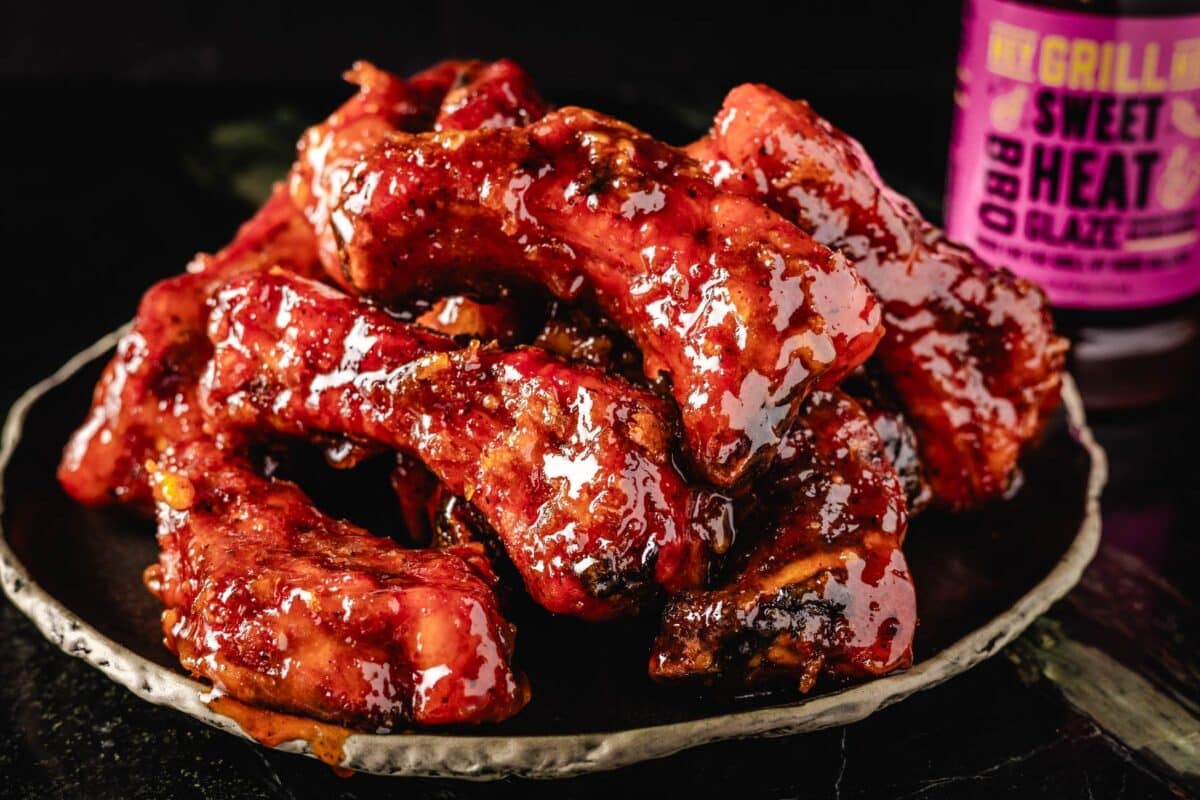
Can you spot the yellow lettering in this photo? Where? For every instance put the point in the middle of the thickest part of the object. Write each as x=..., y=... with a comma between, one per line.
x=1083, y=64
x=1151, y=80
x=1125, y=82
x=1010, y=51
x=1104, y=78
x=1185, y=65
x=1052, y=65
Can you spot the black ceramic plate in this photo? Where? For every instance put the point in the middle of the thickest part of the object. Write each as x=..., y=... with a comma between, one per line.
x=981, y=579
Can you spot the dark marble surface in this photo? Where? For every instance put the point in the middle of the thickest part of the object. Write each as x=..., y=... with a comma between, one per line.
x=1099, y=699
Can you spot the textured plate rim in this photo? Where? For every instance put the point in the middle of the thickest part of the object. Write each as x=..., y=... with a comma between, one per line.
x=557, y=756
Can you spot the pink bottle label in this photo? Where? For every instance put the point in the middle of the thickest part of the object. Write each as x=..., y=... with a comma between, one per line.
x=1076, y=153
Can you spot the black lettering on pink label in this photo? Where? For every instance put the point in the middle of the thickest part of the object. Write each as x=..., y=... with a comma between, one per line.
x=1076, y=152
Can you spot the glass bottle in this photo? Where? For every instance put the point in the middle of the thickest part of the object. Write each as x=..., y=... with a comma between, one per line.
x=1076, y=163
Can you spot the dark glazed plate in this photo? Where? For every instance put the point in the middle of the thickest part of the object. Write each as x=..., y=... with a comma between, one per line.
x=981, y=579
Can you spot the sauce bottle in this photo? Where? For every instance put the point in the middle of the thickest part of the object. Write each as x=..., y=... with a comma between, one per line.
x=1075, y=162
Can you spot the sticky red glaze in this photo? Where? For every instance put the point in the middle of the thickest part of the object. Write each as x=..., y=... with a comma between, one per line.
x=146, y=396
x=417, y=492
x=145, y=399
x=496, y=95
x=433, y=515
x=272, y=728
x=500, y=321
x=570, y=466
x=825, y=588
x=740, y=309
x=431, y=86
x=500, y=95
x=576, y=335
x=897, y=434
x=281, y=606
x=971, y=351
x=455, y=521
x=901, y=446
x=384, y=103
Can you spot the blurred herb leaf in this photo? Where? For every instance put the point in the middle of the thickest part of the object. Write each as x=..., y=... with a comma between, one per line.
x=244, y=157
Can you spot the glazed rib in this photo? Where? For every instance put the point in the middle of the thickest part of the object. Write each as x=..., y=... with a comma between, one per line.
x=145, y=399
x=433, y=515
x=500, y=321
x=146, y=396
x=281, y=606
x=970, y=352
x=570, y=466
x=500, y=95
x=825, y=588
x=737, y=308
x=451, y=94
x=897, y=434
x=384, y=103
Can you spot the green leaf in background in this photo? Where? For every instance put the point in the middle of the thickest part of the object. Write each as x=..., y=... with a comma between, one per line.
x=244, y=157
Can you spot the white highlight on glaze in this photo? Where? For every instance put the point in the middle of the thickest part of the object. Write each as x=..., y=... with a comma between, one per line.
x=579, y=472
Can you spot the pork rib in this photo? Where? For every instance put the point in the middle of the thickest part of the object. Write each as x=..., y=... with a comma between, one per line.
x=739, y=309
x=499, y=95
x=146, y=397
x=570, y=466
x=283, y=607
x=970, y=351
x=824, y=589
x=328, y=150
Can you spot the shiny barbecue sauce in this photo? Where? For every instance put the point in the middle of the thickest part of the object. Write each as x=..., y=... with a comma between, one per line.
x=271, y=729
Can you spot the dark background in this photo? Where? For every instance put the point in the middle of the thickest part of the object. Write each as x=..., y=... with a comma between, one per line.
x=114, y=113
x=137, y=135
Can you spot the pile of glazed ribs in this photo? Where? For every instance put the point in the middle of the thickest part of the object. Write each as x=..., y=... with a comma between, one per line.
x=709, y=383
